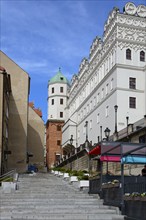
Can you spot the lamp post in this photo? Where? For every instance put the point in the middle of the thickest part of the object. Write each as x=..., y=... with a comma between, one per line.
x=86, y=141
x=100, y=133
x=86, y=125
x=107, y=133
x=71, y=142
x=87, y=145
x=127, y=119
x=116, y=108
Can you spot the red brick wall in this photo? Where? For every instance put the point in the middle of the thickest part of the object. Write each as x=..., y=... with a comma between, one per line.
x=52, y=135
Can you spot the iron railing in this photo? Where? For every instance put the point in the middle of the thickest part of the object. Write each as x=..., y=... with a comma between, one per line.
x=11, y=174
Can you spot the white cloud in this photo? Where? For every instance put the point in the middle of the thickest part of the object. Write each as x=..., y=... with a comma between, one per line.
x=33, y=65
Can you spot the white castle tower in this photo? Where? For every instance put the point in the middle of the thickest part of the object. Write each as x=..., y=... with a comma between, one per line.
x=57, y=96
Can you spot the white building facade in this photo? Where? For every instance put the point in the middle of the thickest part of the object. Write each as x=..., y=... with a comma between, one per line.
x=114, y=74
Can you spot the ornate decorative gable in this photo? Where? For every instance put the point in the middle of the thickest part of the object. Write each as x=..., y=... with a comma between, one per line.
x=83, y=63
x=95, y=47
x=74, y=79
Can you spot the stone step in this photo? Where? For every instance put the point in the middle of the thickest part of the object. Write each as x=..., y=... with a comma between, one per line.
x=45, y=196
x=65, y=195
x=59, y=211
x=48, y=202
x=51, y=206
x=59, y=216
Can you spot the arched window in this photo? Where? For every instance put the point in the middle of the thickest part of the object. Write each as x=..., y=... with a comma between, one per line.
x=128, y=54
x=142, y=55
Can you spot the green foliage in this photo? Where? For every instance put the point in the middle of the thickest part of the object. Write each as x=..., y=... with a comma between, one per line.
x=81, y=174
x=61, y=169
x=83, y=177
x=73, y=173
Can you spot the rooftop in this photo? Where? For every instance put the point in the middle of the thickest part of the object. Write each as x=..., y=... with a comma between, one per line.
x=58, y=78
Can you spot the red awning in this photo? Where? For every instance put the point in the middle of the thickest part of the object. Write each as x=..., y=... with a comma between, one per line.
x=110, y=158
x=95, y=151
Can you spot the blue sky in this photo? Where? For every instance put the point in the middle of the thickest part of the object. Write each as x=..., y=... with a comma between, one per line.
x=43, y=35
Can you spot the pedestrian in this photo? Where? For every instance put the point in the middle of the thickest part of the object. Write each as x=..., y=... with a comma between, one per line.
x=143, y=171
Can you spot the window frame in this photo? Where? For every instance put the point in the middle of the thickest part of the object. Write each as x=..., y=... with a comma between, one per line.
x=61, y=89
x=107, y=111
x=128, y=54
x=58, y=142
x=52, y=101
x=58, y=128
x=61, y=101
x=98, y=118
x=53, y=90
x=132, y=83
x=142, y=56
x=132, y=102
x=61, y=114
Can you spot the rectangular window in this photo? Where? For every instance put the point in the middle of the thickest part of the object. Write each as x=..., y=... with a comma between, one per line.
x=142, y=56
x=52, y=89
x=52, y=101
x=132, y=83
x=112, y=84
x=98, y=97
x=90, y=124
x=57, y=157
x=87, y=108
x=58, y=142
x=79, y=117
x=58, y=127
x=61, y=89
x=107, y=111
x=128, y=54
x=61, y=114
x=106, y=89
x=90, y=105
x=61, y=101
x=94, y=101
x=98, y=118
x=132, y=102
x=84, y=111
x=102, y=93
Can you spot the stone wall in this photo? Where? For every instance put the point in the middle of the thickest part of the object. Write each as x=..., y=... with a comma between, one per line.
x=18, y=114
x=36, y=132
x=53, y=141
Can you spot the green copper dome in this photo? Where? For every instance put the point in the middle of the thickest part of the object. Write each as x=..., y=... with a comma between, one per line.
x=58, y=78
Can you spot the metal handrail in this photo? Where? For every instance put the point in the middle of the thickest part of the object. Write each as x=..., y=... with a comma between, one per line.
x=11, y=173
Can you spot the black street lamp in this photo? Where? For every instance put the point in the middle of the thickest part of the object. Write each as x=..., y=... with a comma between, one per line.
x=127, y=120
x=107, y=133
x=101, y=133
x=71, y=140
x=86, y=141
x=86, y=125
x=116, y=108
x=87, y=145
x=71, y=143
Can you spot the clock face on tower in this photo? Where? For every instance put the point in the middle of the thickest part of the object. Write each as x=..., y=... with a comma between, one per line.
x=141, y=11
x=130, y=8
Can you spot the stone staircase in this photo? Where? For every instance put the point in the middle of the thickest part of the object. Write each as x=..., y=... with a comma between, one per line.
x=45, y=196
